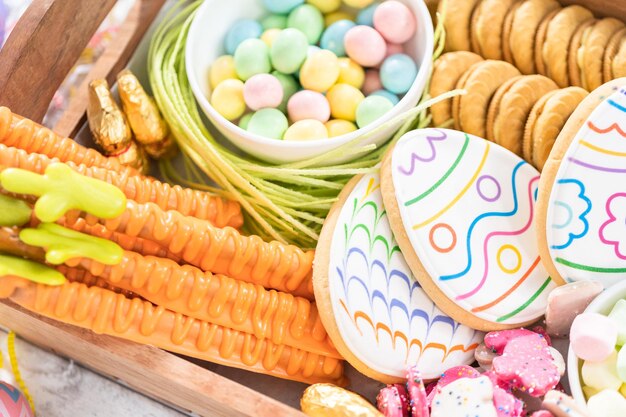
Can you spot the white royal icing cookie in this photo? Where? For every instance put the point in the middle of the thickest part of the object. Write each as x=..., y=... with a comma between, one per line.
x=465, y=397
x=462, y=209
x=586, y=217
x=381, y=319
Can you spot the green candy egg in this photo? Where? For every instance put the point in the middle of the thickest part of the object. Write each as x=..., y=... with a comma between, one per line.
x=309, y=20
x=290, y=87
x=289, y=50
x=371, y=108
x=252, y=57
x=270, y=123
x=274, y=21
x=245, y=120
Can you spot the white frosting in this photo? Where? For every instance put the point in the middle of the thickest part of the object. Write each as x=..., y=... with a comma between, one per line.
x=374, y=296
x=586, y=219
x=465, y=397
x=468, y=206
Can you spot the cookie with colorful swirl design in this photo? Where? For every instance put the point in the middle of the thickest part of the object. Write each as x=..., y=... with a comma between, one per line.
x=462, y=210
x=376, y=313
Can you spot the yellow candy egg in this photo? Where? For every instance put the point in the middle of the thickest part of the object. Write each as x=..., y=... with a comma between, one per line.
x=343, y=100
x=358, y=4
x=307, y=129
x=222, y=69
x=338, y=127
x=319, y=71
x=269, y=35
x=350, y=73
x=333, y=17
x=325, y=6
x=227, y=99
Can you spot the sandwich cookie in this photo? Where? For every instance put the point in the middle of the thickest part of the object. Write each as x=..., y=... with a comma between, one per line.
x=592, y=51
x=458, y=14
x=575, y=54
x=489, y=25
x=611, y=53
x=507, y=29
x=462, y=210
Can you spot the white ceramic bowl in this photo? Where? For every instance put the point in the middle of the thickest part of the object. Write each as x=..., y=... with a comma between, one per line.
x=602, y=304
x=204, y=45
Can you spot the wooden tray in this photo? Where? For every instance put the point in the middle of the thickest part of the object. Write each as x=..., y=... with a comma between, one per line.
x=198, y=388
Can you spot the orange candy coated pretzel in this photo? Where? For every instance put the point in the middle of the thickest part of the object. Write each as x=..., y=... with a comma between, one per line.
x=220, y=212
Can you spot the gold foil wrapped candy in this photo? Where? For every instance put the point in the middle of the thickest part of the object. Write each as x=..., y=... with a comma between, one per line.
x=327, y=400
x=134, y=156
x=106, y=120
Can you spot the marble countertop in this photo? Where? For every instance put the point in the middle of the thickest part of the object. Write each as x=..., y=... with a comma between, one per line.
x=62, y=388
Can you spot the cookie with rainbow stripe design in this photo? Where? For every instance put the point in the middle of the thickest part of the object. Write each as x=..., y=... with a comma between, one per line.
x=462, y=210
x=581, y=224
x=376, y=313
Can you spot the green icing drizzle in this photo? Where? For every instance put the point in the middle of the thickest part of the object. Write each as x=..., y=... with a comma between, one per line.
x=32, y=271
x=62, y=244
x=61, y=189
x=13, y=212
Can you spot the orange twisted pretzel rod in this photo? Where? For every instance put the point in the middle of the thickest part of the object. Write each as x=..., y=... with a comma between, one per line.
x=106, y=312
x=220, y=212
x=222, y=251
x=250, y=308
x=18, y=132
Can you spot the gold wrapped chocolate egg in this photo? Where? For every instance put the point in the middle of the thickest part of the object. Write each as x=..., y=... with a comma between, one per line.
x=134, y=156
x=327, y=400
x=106, y=120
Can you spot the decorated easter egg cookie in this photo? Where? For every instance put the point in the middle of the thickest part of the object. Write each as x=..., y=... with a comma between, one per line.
x=582, y=207
x=462, y=211
x=376, y=313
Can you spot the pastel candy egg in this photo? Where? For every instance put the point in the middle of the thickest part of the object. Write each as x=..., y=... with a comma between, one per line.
x=602, y=375
x=388, y=95
x=394, y=21
x=325, y=6
x=222, y=69
x=270, y=123
x=371, y=109
x=365, y=46
x=618, y=316
x=307, y=129
x=13, y=403
x=372, y=82
x=308, y=104
x=245, y=120
x=607, y=403
x=338, y=127
x=593, y=336
x=289, y=50
x=251, y=58
x=309, y=20
x=269, y=36
x=289, y=85
x=262, y=90
x=281, y=6
x=366, y=15
x=227, y=99
x=344, y=100
x=274, y=21
x=350, y=73
x=333, y=36
x=358, y=4
x=239, y=32
x=319, y=71
x=333, y=17
x=398, y=73
x=394, y=48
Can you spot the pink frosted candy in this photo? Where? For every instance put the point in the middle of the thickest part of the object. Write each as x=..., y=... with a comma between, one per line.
x=451, y=375
x=593, y=336
x=498, y=340
x=307, y=104
x=393, y=401
x=262, y=91
x=542, y=413
x=395, y=21
x=417, y=393
x=506, y=404
x=540, y=330
x=497, y=381
x=365, y=46
x=527, y=364
x=372, y=82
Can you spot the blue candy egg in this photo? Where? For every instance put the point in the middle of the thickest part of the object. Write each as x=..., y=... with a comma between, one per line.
x=366, y=16
x=332, y=38
x=281, y=6
x=239, y=32
x=398, y=73
x=388, y=95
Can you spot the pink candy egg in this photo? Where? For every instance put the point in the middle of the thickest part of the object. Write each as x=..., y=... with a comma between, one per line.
x=262, y=91
x=307, y=104
x=593, y=336
x=372, y=82
x=394, y=21
x=13, y=402
x=365, y=46
x=394, y=48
